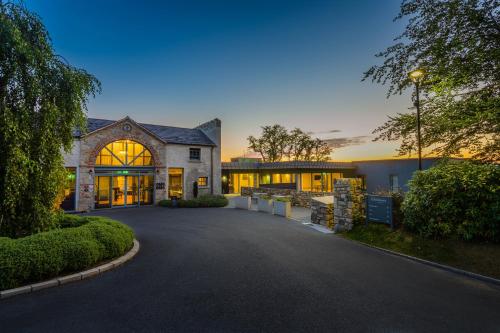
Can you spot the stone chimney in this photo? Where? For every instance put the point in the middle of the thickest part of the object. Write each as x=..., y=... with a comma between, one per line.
x=212, y=129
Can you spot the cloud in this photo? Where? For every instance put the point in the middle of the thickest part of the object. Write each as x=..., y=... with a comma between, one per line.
x=347, y=141
x=324, y=132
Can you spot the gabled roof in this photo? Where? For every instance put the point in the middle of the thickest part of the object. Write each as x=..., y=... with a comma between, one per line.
x=169, y=134
x=287, y=165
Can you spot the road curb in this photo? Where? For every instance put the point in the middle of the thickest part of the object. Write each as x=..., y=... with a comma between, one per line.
x=432, y=263
x=61, y=280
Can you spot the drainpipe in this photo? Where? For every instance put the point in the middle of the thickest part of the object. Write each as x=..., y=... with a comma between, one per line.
x=212, y=170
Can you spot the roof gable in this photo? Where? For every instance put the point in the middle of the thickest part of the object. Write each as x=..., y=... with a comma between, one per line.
x=168, y=134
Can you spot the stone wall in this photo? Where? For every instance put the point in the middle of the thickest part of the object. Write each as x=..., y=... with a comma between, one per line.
x=347, y=202
x=212, y=129
x=301, y=199
x=322, y=211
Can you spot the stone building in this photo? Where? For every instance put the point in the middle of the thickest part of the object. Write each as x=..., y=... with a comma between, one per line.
x=124, y=163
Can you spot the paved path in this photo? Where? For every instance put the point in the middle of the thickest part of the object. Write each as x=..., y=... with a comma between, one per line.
x=227, y=270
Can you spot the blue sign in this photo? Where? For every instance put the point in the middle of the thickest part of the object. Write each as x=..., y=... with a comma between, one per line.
x=379, y=209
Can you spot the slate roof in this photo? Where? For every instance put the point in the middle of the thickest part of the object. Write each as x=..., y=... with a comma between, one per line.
x=169, y=134
x=286, y=165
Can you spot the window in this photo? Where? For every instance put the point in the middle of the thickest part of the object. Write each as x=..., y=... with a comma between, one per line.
x=175, y=183
x=202, y=181
x=124, y=153
x=394, y=183
x=283, y=178
x=194, y=154
x=69, y=200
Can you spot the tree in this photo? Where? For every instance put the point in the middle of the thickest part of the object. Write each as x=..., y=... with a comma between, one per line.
x=298, y=142
x=457, y=44
x=42, y=101
x=320, y=150
x=272, y=143
x=276, y=143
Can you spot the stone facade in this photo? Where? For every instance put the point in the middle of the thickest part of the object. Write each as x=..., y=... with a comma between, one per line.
x=322, y=211
x=165, y=155
x=301, y=199
x=347, y=201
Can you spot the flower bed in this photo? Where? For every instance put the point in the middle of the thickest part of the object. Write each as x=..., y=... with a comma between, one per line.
x=81, y=243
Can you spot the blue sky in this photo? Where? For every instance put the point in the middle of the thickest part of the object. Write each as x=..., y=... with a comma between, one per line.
x=249, y=63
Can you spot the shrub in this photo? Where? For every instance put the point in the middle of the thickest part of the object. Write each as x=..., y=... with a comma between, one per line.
x=455, y=198
x=165, y=203
x=49, y=254
x=206, y=200
x=283, y=199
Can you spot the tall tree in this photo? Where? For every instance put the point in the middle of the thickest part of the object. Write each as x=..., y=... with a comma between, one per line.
x=320, y=150
x=457, y=44
x=276, y=144
x=298, y=142
x=272, y=144
x=42, y=101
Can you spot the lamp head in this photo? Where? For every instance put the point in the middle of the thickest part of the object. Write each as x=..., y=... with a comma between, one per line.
x=417, y=75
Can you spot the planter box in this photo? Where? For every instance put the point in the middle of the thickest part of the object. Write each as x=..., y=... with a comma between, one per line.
x=282, y=208
x=242, y=202
x=265, y=205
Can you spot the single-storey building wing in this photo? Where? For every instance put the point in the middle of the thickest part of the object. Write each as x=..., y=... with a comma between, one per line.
x=124, y=163
x=309, y=176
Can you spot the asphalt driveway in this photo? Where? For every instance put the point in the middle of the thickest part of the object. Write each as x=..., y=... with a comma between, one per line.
x=227, y=270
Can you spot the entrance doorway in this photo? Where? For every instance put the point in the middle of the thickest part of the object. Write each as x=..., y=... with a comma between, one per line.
x=123, y=188
x=175, y=183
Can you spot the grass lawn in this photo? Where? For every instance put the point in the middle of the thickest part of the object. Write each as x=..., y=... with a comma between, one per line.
x=481, y=258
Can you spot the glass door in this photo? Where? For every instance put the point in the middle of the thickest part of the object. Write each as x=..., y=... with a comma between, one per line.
x=175, y=182
x=132, y=193
x=102, y=191
x=118, y=191
x=146, y=188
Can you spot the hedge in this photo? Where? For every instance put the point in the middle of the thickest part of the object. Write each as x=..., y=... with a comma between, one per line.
x=202, y=201
x=81, y=243
x=458, y=199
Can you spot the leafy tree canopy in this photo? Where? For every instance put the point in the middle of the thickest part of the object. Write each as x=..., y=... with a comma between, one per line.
x=42, y=100
x=457, y=44
x=276, y=144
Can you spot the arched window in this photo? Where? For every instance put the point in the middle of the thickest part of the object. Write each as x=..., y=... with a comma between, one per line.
x=124, y=153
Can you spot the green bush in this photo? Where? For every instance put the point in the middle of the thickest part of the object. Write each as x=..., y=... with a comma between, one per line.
x=206, y=200
x=455, y=198
x=165, y=203
x=72, y=220
x=283, y=199
x=49, y=254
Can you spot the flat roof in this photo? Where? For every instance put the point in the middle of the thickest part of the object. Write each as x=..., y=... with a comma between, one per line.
x=288, y=165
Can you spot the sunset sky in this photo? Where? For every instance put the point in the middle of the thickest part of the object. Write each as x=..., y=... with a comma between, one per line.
x=249, y=63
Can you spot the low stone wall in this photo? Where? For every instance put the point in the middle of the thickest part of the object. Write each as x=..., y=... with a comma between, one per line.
x=322, y=211
x=348, y=201
x=301, y=199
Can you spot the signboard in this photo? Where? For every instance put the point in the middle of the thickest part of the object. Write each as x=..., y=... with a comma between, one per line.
x=379, y=209
x=160, y=186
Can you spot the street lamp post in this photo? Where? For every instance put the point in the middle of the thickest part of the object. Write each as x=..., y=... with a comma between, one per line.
x=416, y=76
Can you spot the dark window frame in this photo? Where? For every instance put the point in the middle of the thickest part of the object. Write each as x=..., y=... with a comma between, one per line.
x=195, y=154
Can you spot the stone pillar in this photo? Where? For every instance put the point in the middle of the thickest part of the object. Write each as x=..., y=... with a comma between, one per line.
x=347, y=201
x=322, y=211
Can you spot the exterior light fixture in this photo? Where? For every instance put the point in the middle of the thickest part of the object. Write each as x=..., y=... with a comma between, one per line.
x=417, y=76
